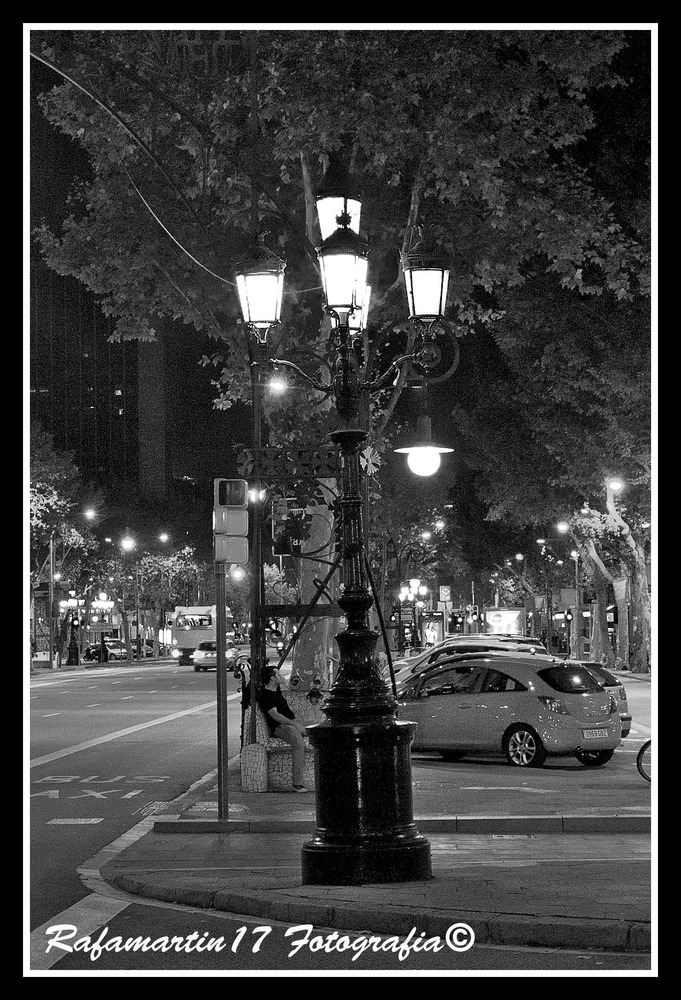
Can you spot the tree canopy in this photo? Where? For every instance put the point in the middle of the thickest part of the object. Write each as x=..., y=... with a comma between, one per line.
x=506, y=142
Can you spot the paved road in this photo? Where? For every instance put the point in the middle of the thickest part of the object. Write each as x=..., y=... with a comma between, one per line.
x=107, y=745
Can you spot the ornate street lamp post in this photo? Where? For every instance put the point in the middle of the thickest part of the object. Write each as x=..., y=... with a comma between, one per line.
x=73, y=659
x=365, y=830
x=260, y=284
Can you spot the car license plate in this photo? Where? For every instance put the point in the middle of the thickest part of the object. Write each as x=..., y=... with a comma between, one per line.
x=592, y=734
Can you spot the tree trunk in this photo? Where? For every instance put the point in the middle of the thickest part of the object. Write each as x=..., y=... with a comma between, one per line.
x=601, y=650
x=312, y=650
x=126, y=635
x=639, y=650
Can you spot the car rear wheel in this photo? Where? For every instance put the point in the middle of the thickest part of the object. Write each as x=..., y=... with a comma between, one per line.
x=523, y=748
x=594, y=758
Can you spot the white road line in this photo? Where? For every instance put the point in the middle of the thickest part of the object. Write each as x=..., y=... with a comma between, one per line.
x=73, y=822
x=96, y=705
x=50, y=714
x=87, y=915
x=124, y=732
x=127, y=697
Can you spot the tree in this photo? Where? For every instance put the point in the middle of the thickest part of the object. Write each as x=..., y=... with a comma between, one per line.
x=483, y=140
x=475, y=139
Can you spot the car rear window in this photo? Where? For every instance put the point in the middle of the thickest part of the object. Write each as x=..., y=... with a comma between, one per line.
x=569, y=680
x=209, y=646
x=603, y=675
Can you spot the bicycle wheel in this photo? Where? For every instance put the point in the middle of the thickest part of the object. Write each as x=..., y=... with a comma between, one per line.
x=643, y=760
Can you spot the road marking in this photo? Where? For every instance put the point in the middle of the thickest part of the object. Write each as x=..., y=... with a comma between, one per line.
x=91, y=687
x=127, y=697
x=507, y=788
x=87, y=915
x=72, y=822
x=96, y=705
x=58, y=754
x=153, y=691
x=50, y=714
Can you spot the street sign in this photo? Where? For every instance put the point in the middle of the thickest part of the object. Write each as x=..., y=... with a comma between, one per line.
x=445, y=594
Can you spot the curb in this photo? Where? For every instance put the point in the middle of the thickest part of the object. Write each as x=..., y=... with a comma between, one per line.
x=490, y=928
x=426, y=824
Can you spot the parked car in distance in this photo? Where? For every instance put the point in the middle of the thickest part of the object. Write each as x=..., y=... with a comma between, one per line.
x=526, y=707
x=116, y=650
x=205, y=656
x=614, y=686
x=465, y=644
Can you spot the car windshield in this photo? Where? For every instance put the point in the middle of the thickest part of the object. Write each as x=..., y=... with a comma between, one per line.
x=569, y=680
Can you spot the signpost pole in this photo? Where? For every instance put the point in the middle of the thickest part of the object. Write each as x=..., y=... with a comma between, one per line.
x=221, y=672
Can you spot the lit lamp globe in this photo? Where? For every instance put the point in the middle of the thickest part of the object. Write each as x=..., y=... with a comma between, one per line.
x=335, y=197
x=343, y=260
x=423, y=456
x=426, y=279
x=260, y=284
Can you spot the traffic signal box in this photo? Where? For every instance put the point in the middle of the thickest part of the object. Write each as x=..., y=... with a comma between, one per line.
x=230, y=520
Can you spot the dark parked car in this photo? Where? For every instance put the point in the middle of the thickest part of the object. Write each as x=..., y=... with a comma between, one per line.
x=116, y=650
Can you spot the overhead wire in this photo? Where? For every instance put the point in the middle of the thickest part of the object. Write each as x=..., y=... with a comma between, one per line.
x=148, y=152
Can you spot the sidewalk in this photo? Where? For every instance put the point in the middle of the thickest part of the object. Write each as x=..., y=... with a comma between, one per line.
x=544, y=869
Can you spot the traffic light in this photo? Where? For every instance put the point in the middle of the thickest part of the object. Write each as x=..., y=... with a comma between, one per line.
x=568, y=615
x=230, y=520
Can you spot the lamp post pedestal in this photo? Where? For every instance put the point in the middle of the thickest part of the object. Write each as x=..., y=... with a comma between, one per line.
x=365, y=830
x=73, y=659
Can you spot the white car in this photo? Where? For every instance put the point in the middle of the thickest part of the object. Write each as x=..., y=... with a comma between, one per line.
x=526, y=707
x=205, y=657
x=466, y=644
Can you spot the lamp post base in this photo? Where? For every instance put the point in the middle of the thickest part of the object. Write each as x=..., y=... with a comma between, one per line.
x=365, y=831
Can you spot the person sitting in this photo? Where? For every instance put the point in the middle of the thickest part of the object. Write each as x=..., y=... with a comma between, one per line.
x=281, y=721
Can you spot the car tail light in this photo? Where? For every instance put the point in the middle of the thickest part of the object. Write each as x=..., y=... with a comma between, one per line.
x=613, y=705
x=554, y=705
x=623, y=694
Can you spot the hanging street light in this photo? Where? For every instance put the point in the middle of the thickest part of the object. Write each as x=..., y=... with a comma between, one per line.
x=423, y=454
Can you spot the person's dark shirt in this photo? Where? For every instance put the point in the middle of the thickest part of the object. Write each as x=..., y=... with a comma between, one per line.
x=274, y=699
